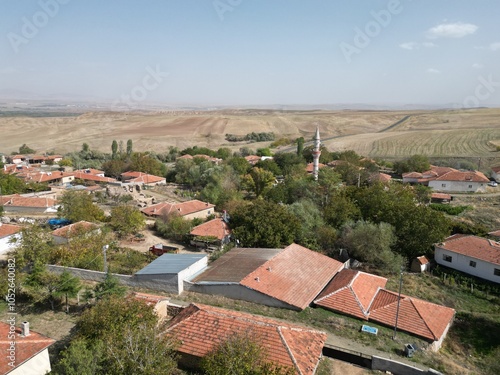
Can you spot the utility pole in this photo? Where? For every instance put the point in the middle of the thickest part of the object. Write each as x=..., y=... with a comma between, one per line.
x=399, y=300
x=104, y=249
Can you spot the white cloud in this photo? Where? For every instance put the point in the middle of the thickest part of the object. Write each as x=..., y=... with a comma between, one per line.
x=477, y=66
x=409, y=45
x=433, y=71
x=451, y=30
x=494, y=46
x=414, y=45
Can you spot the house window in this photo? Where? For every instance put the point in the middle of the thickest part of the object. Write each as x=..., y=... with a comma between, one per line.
x=472, y=264
x=496, y=272
x=470, y=186
x=447, y=258
x=443, y=185
x=209, y=212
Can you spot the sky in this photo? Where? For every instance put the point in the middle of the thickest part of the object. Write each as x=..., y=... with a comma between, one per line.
x=252, y=52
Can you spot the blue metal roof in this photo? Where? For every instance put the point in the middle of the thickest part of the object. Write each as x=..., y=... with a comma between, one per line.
x=170, y=264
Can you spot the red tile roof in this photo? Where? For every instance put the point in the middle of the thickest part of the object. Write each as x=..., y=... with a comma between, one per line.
x=91, y=177
x=351, y=292
x=310, y=167
x=41, y=177
x=139, y=177
x=95, y=172
x=416, y=316
x=201, y=328
x=149, y=299
x=380, y=177
x=8, y=229
x=440, y=196
x=423, y=260
x=496, y=169
x=26, y=347
x=470, y=176
x=187, y=156
x=474, y=247
x=295, y=276
x=252, y=159
x=183, y=208
x=17, y=200
x=214, y=228
x=74, y=229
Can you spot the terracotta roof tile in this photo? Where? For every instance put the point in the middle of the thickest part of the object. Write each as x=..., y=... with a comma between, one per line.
x=351, y=292
x=74, y=229
x=310, y=167
x=418, y=317
x=9, y=229
x=216, y=228
x=149, y=299
x=474, y=247
x=423, y=259
x=440, y=196
x=183, y=208
x=26, y=347
x=92, y=177
x=17, y=200
x=295, y=276
x=201, y=328
x=470, y=176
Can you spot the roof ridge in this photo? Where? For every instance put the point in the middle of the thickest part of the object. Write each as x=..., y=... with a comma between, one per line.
x=331, y=294
x=421, y=317
x=369, y=308
x=289, y=350
x=365, y=313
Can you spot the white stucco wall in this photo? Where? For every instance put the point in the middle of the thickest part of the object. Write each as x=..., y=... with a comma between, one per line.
x=194, y=268
x=458, y=186
x=6, y=245
x=459, y=262
x=37, y=365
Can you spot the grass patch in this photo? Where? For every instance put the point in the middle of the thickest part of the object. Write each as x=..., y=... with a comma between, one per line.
x=450, y=210
x=127, y=261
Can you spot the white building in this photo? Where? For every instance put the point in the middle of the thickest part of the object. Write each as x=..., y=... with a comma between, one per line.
x=9, y=235
x=30, y=355
x=473, y=255
x=495, y=173
x=457, y=181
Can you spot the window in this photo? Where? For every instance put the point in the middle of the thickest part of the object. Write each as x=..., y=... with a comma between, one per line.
x=447, y=258
x=470, y=186
x=443, y=185
x=496, y=272
x=472, y=264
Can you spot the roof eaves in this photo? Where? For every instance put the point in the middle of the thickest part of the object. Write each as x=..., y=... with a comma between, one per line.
x=290, y=353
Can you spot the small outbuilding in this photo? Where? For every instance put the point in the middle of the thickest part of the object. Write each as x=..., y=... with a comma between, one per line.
x=420, y=264
x=168, y=272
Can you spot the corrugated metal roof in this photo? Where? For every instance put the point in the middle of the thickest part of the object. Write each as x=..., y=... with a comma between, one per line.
x=170, y=264
x=234, y=265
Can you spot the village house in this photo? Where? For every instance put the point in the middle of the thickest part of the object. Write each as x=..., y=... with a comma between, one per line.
x=188, y=210
x=214, y=232
x=420, y=264
x=201, y=328
x=9, y=235
x=140, y=178
x=363, y=296
x=424, y=178
x=31, y=354
x=457, y=181
x=64, y=234
x=28, y=204
x=35, y=159
x=159, y=303
x=288, y=278
x=476, y=256
x=441, y=198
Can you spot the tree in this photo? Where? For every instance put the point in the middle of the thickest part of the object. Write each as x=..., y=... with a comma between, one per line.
x=114, y=149
x=300, y=146
x=259, y=180
x=109, y=287
x=264, y=224
x=114, y=168
x=85, y=147
x=81, y=358
x=239, y=164
x=371, y=243
x=25, y=149
x=126, y=220
x=129, y=148
x=10, y=184
x=35, y=244
x=309, y=216
x=143, y=162
x=415, y=163
x=69, y=286
x=129, y=331
x=174, y=227
x=65, y=162
x=77, y=206
x=241, y=354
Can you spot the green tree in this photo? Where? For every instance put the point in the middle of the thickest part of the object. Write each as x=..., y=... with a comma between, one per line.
x=241, y=354
x=264, y=224
x=65, y=162
x=239, y=164
x=174, y=227
x=371, y=243
x=415, y=163
x=109, y=287
x=143, y=162
x=300, y=146
x=126, y=220
x=85, y=148
x=259, y=180
x=35, y=245
x=41, y=285
x=69, y=286
x=81, y=358
x=114, y=149
x=25, y=149
x=129, y=148
x=310, y=218
x=10, y=184
x=114, y=168
x=77, y=206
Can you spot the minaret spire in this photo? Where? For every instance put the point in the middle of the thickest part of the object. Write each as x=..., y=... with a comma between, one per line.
x=316, y=153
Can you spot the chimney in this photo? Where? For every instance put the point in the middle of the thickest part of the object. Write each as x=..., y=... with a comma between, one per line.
x=257, y=279
x=25, y=329
x=269, y=269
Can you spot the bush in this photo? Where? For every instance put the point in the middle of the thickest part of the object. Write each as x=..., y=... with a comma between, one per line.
x=450, y=210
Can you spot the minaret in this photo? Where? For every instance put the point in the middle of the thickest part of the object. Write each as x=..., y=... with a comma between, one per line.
x=316, y=153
